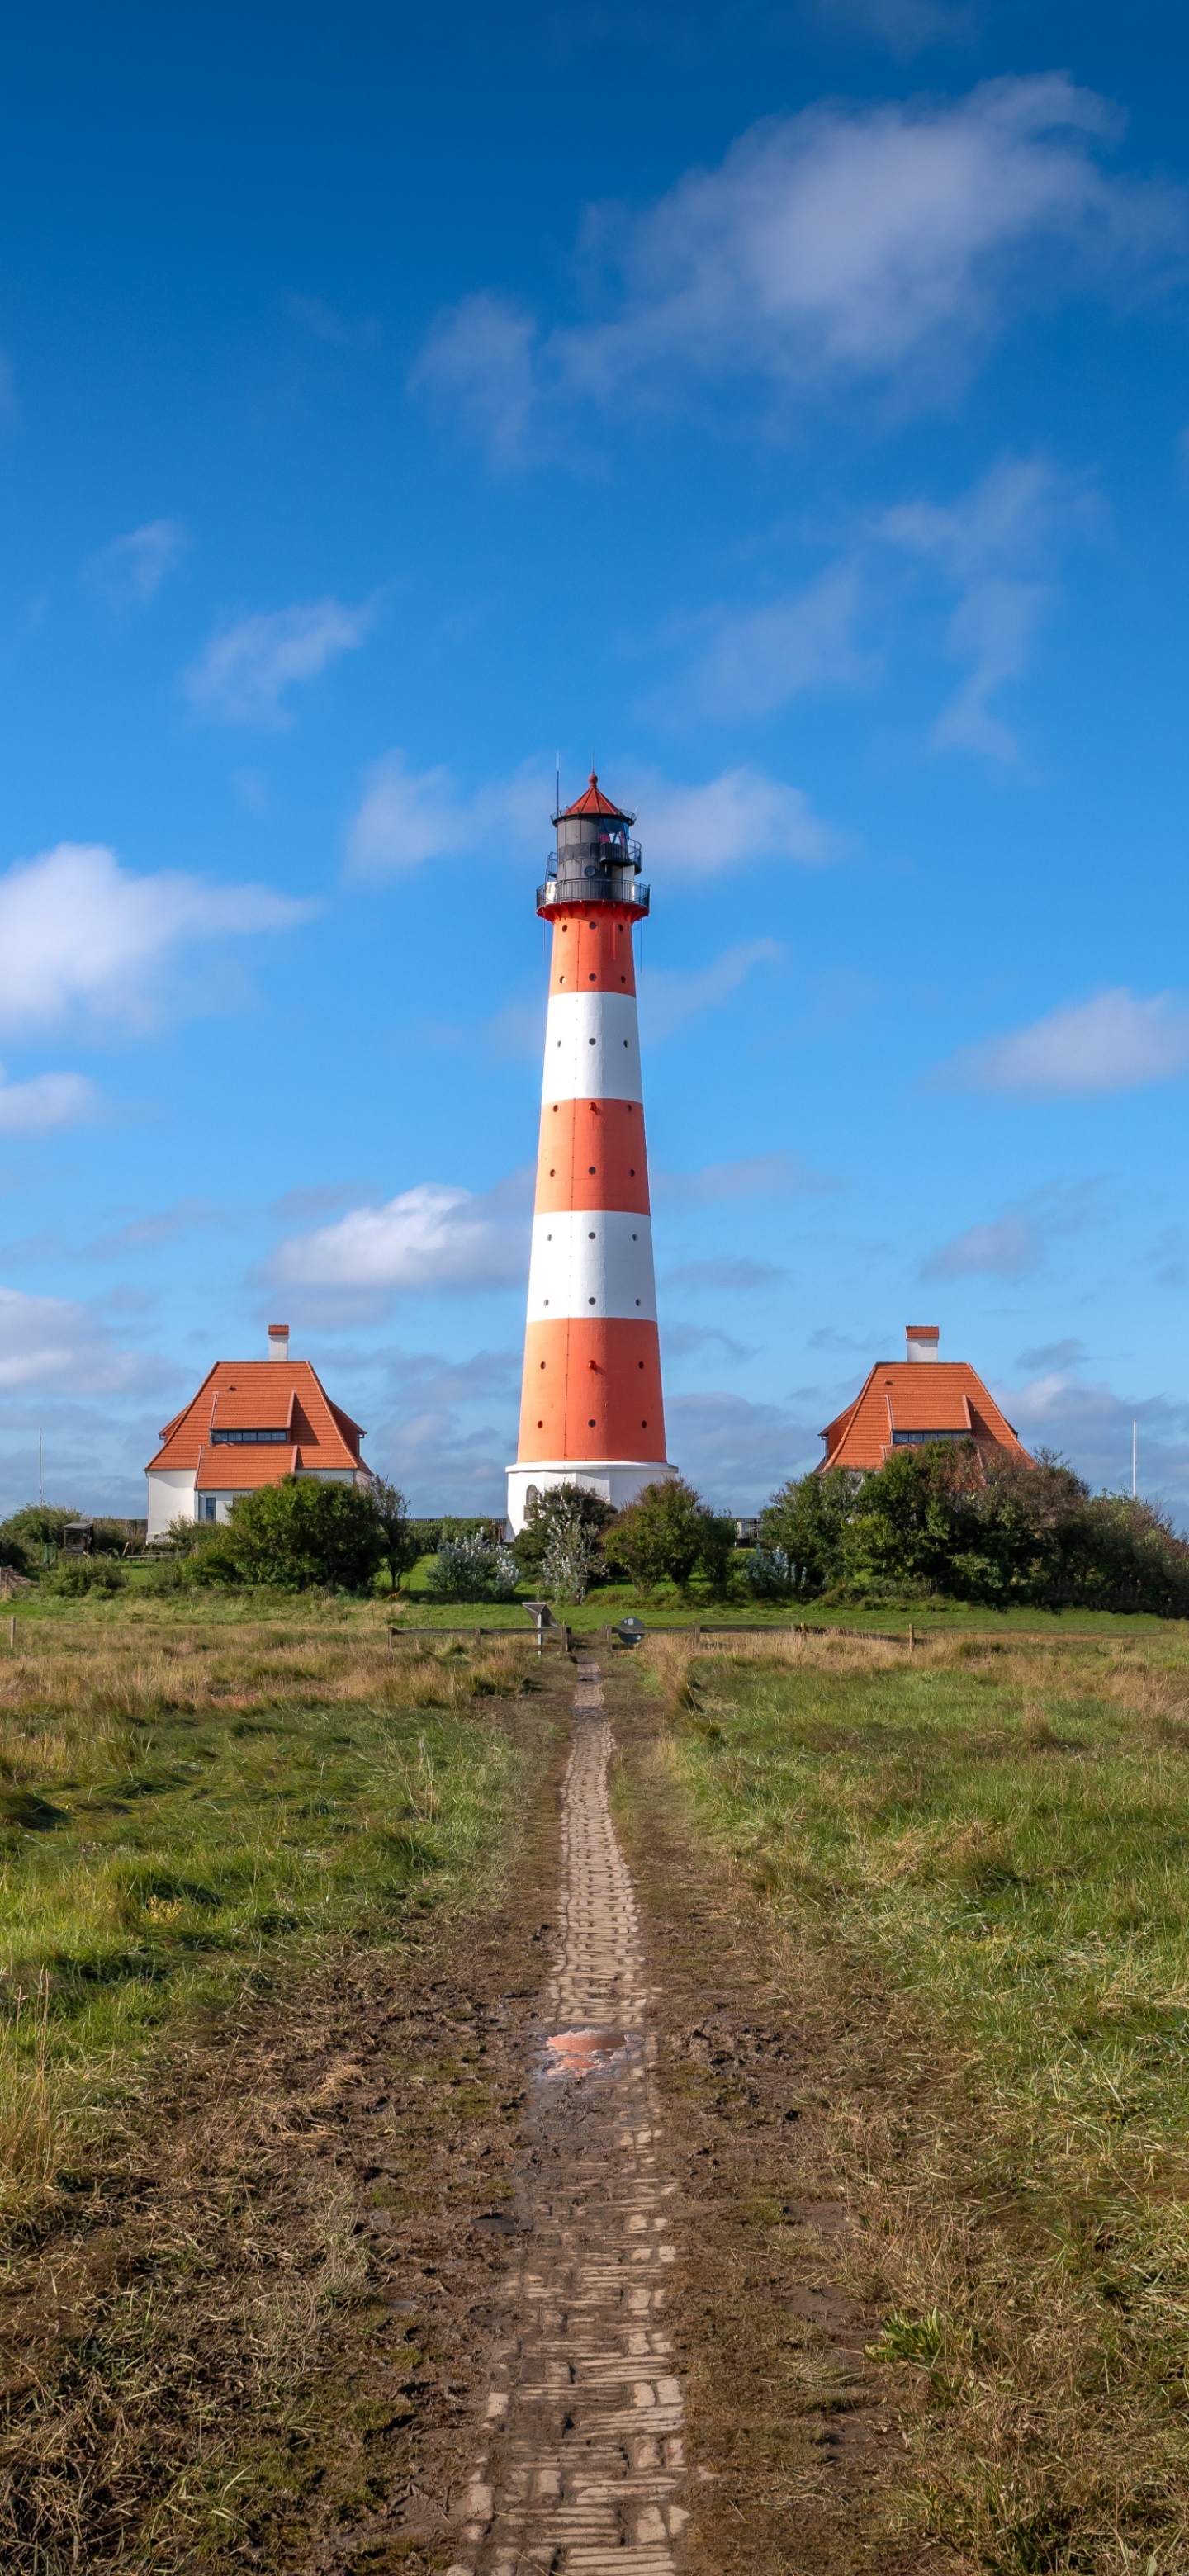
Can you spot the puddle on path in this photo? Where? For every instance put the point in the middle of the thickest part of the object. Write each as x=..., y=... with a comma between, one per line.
x=585, y=2455
x=576, y=2053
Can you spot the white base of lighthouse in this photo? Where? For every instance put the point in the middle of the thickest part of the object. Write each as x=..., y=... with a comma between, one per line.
x=615, y=1480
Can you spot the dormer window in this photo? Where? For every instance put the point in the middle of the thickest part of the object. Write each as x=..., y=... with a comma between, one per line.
x=251, y=1439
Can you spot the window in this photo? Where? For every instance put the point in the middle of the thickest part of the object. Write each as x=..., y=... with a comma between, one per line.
x=207, y=1507
x=914, y=1439
x=251, y=1439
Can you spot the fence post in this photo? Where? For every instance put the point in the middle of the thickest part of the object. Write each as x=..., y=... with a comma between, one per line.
x=391, y=1639
x=12, y=1632
x=912, y=1636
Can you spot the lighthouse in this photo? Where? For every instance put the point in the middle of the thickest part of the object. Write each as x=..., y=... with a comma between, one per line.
x=591, y=1412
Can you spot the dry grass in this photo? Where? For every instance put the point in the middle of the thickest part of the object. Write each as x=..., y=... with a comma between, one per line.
x=979, y=1859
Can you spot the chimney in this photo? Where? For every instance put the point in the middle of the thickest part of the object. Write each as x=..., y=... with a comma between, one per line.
x=278, y=1341
x=922, y=1341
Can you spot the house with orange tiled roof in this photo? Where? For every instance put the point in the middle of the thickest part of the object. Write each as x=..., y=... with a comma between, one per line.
x=903, y=1405
x=251, y=1422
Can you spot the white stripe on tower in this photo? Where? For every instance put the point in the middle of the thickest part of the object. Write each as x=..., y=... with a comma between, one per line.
x=591, y=1261
x=592, y=1048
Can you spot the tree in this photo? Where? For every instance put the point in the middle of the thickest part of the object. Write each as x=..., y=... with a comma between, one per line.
x=301, y=1532
x=402, y=1538
x=663, y=1535
x=560, y=1546
x=807, y=1522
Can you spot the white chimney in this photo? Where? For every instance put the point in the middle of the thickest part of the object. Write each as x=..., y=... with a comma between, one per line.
x=922, y=1341
x=278, y=1341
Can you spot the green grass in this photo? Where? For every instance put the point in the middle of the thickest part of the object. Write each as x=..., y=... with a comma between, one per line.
x=999, y=1840
x=189, y=1801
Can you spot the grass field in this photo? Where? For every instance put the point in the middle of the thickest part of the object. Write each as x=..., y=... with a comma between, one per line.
x=189, y=1800
x=989, y=1846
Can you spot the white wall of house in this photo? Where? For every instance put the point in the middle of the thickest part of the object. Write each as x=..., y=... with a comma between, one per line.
x=171, y=1497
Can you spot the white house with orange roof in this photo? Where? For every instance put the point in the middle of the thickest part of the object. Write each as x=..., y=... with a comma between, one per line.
x=251, y=1422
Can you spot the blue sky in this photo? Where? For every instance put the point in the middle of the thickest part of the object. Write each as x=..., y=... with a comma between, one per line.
x=788, y=403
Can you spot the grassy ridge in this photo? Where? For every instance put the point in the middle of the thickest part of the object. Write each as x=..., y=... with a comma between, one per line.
x=189, y=1802
x=999, y=1838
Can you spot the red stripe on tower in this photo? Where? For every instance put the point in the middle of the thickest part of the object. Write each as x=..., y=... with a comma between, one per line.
x=591, y=1410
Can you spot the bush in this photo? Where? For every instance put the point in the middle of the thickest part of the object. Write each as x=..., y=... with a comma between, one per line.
x=770, y=1572
x=666, y=1534
x=560, y=1547
x=944, y=1518
x=473, y=1568
x=85, y=1574
x=295, y=1534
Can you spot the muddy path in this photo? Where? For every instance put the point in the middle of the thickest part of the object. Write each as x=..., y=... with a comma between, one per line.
x=685, y=2263
x=422, y=2267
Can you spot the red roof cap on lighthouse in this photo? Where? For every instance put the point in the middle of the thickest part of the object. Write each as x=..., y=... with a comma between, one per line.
x=594, y=802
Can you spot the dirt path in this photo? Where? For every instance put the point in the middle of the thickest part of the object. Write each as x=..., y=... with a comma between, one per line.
x=586, y=2456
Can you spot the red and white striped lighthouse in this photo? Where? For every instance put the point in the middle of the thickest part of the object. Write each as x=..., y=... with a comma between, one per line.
x=591, y=1411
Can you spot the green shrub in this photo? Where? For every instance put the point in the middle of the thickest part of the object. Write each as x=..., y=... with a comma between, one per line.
x=560, y=1547
x=943, y=1518
x=84, y=1574
x=667, y=1534
x=473, y=1568
x=294, y=1534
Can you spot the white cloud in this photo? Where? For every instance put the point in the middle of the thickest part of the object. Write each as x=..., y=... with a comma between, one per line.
x=46, y=1342
x=1017, y=1242
x=994, y=626
x=1053, y=1355
x=80, y=932
x=837, y=244
x=762, y=657
x=1091, y=1426
x=48, y=1100
x=753, y=1176
x=408, y=816
x=741, y=815
x=1007, y=1248
x=905, y=26
x=478, y=360
x=991, y=541
x=1114, y=1043
x=428, y=1239
x=670, y=994
x=244, y=672
x=737, y=1452
x=129, y=570
x=333, y=329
